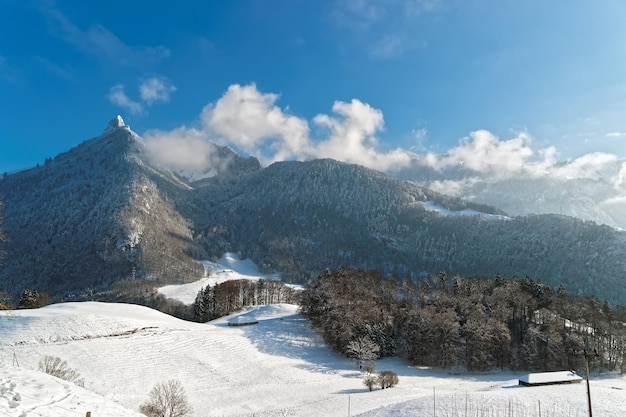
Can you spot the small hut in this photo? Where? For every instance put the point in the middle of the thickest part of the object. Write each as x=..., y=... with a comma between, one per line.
x=242, y=320
x=550, y=378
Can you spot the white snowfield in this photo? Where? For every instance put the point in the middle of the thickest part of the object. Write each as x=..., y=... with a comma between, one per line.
x=431, y=206
x=229, y=267
x=279, y=367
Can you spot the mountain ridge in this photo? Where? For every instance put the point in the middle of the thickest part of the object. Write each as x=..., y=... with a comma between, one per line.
x=107, y=210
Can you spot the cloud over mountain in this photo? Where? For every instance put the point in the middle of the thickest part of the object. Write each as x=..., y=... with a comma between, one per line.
x=252, y=122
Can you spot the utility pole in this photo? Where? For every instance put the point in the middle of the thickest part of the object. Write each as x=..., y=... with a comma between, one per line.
x=349, y=411
x=587, y=375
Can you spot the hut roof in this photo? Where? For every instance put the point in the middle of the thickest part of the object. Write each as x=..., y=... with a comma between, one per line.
x=242, y=320
x=550, y=378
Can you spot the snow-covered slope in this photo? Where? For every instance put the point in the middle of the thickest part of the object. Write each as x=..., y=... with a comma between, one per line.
x=279, y=367
x=228, y=268
x=24, y=392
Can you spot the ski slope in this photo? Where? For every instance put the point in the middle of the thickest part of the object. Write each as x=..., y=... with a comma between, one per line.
x=279, y=367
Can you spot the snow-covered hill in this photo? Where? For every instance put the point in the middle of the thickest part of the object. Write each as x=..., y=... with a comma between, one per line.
x=24, y=392
x=228, y=268
x=279, y=367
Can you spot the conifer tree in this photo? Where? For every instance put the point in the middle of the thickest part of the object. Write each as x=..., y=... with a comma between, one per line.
x=29, y=299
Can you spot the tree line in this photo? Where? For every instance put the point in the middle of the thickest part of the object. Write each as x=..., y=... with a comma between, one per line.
x=227, y=297
x=211, y=302
x=449, y=322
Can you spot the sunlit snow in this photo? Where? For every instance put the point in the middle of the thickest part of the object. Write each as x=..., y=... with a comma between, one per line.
x=228, y=267
x=279, y=367
x=431, y=206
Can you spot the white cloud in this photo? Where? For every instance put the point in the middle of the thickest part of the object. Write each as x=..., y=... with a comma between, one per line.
x=418, y=136
x=118, y=96
x=452, y=187
x=591, y=165
x=151, y=90
x=185, y=150
x=484, y=152
x=250, y=120
x=352, y=137
x=156, y=89
x=620, y=180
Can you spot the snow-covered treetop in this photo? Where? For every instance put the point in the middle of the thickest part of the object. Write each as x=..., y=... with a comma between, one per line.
x=116, y=123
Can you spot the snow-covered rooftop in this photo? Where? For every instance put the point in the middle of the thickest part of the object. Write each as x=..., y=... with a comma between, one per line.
x=545, y=378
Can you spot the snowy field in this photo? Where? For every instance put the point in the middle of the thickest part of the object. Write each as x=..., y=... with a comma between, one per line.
x=228, y=267
x=279, y=367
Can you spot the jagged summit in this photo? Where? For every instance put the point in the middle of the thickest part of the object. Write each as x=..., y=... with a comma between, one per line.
x=116, y=123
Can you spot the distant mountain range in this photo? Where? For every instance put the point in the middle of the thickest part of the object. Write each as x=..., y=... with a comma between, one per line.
x=106, y=211
x=598, y=195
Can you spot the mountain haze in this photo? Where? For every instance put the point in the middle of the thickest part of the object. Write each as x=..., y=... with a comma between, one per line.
x=110, y=209
x=582, y=189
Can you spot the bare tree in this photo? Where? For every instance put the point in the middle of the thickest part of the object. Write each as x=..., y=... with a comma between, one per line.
x=55, y=366
x=167, y=399
x=387, y=379
x=370, y=381
x=5, y=301
x=370, y=368
x=362, y=349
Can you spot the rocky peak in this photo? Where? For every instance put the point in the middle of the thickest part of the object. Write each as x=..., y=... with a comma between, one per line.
x=116, y=123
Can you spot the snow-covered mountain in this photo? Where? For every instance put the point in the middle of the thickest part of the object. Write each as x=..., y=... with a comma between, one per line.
x=589, y=190
x=279, y=367
x=109, y=210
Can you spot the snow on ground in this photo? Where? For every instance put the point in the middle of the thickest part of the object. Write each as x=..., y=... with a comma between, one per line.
x=279, y=367
x=228, y=268
x=431, y=206
x=24, y=392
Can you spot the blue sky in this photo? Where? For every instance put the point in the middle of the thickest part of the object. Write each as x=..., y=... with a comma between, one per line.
x=358, y=80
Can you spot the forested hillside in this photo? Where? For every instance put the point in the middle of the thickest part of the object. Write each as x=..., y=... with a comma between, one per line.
x=105, y=211
x=474, y=323
x=85, y=219
x=302, y=217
